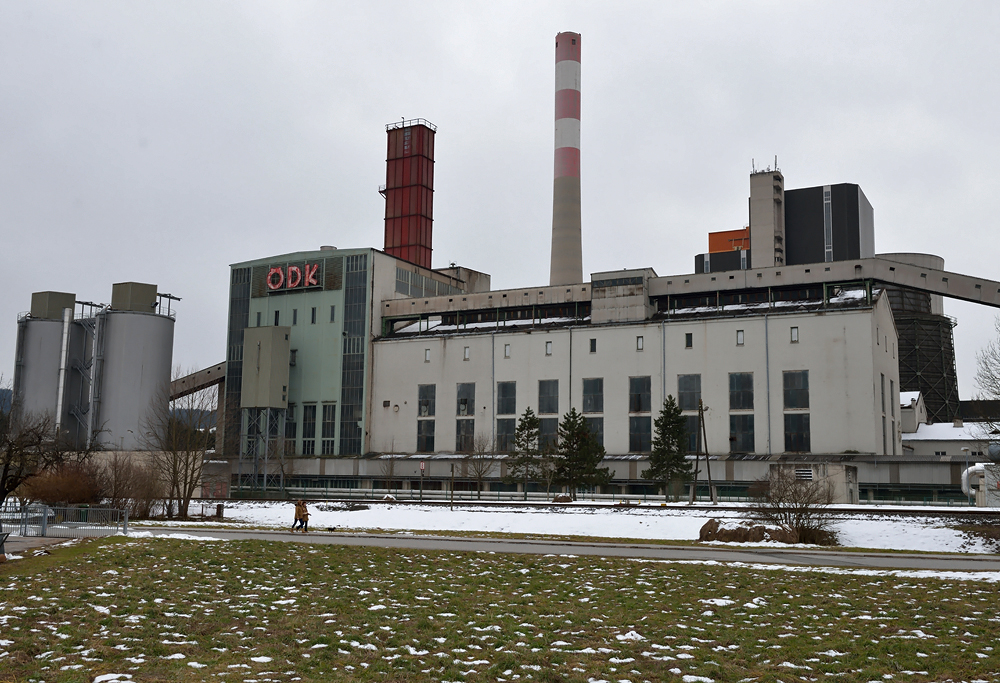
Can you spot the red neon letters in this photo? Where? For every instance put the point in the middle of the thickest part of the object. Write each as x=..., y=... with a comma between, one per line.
x=293, y=277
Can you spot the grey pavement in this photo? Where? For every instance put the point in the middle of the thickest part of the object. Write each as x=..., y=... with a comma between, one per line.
x=789, y=556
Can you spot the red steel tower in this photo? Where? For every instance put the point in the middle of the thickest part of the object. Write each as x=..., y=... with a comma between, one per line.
x=409, y=191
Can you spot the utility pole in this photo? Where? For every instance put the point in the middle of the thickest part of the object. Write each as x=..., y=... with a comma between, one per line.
x=704, y=437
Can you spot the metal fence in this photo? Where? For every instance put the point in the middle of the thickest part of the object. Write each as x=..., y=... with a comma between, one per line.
x=62, y=522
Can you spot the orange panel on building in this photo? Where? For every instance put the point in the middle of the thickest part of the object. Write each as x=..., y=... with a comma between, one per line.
x=728, y=240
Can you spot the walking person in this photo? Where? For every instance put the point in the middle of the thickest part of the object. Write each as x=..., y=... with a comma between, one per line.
x=305, y=516
x=300, y=506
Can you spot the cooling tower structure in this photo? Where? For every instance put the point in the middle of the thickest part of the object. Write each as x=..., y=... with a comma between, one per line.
x=567, y=251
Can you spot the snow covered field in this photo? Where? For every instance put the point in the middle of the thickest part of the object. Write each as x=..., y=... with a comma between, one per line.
x=866, y=529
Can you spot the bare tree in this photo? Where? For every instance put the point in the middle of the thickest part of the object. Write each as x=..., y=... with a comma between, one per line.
x=481, y=461
x=387, y=468
x=988, y=381
x=130, y=483
x=178, y=435
x=797, y=504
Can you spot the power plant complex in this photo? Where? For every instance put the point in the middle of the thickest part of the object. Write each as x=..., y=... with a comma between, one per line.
x=369, y=368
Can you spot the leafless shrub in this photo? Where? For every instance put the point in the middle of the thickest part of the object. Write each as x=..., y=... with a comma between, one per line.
x=71, y=483
x=130, y=484
x=481, y=461
x=797, y=504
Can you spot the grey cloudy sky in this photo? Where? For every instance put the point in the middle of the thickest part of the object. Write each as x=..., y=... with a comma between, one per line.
x=162, y=141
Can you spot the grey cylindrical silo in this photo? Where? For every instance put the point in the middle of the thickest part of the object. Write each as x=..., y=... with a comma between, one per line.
x=134, y=368
x=36, y=371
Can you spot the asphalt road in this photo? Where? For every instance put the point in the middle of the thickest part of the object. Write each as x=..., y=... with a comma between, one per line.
x=790, y=556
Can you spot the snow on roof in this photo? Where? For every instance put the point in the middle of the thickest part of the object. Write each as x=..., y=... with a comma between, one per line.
x=946, y=431
x=906, y=397
x=437, y=326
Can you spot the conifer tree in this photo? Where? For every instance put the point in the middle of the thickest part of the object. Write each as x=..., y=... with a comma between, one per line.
x=579, y=456
x=525, y=458
x=666, y=459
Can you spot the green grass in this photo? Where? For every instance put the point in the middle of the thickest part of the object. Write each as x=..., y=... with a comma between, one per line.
x=344, y=613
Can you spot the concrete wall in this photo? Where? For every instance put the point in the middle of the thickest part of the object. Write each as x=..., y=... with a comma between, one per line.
x=837, y=348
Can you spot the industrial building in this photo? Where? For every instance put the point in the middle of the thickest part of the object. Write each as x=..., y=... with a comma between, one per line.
x=99, y=371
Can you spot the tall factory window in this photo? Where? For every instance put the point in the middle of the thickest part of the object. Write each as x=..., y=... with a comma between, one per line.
x=352, y=384
x=290, y=425
x=548, y=434
x=309, y=430
x=333, y=314
x=741, y=433
x=639, y=434
x=313, y=319
x=639, y=394
x=426, y=395
x=741, y=391
x=796, y=388
x=506, y=398
x=596, y=426
x=688, y=391
x=506, y=350
x=795, y=335
x=548, y=396
x=885, y=443
x=688, y=340
x=329, y=428
x=893, y=401
x=638, y=343
x=739, y=337
x=466, y=394
x=827, y=225
x=548, y=348
x=883, y=393
x=277, y=317
x=258, y=318
x=797, y=432
x=593, y=346
x=465, y=435
x=593, y=395
x=505, y=434
x=295, y=316
x=425, y=436
x=692, y=427
x=892, y=435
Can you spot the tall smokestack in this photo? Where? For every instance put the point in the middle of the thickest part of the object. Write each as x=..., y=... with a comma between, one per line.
x=409, y=191
x=567, y=252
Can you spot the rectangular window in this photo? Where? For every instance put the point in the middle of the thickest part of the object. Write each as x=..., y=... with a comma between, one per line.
x=741, y=391
x=827, y=225
x=796, y=387
x=596, y=427
x=277, y=317
x=548, y=433
x=425, y=436
x=693, y=437
x=313, y=316
x=427, y=355
x=892, y=435
x=638, y=343
x=295, y=316
x=688, y=391
x=258, y=318
x=308, y=430
x=639, y=434
x=506, y=398
x=466, y=354
x=333, y=314
x=885, y=442
x=688, y=340
x=797, y=432
x=465, y=435
x=593, y=395
x=329, y=428
x=892, y=398
x=290, y=424
x=426, y=397
x=639, y=394
x=466, y=394
x=505, y=434
x=593, y=346
x=741, y=434
x=506, y=350
x=548, y=348
x=739, y=337
x=548, y=396
x=795, y=335
x=883, y=393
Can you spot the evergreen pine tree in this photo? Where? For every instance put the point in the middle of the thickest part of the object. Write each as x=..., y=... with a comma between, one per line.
x=525, y=457
x=666, y=459
x=579, y=455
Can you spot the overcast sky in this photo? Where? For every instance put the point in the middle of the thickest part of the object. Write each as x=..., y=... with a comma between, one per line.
x=162, y=141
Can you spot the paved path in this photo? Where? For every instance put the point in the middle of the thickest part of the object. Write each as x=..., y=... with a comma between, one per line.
x=790, y=556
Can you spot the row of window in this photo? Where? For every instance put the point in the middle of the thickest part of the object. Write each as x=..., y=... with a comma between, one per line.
x=741, y=392
x=639, y=343
x=295, y=316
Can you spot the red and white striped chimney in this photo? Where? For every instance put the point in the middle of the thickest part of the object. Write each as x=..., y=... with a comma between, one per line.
x=567, y=253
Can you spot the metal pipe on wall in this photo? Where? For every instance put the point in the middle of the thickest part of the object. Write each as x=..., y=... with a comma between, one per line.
x=63, y=362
